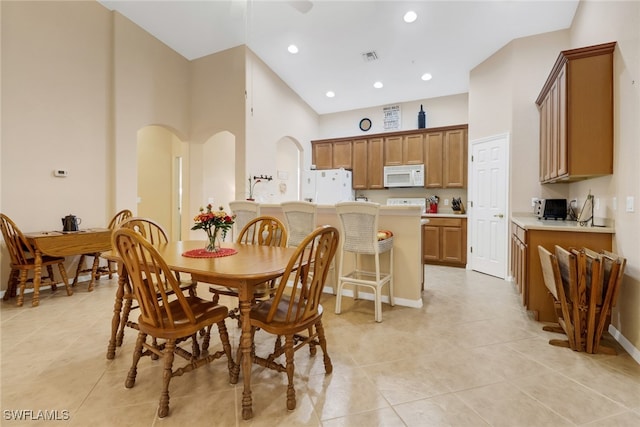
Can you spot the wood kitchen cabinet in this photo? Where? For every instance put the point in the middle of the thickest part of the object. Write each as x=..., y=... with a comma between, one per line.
x=404, y=149
x=444, y=241
x=367, y=164
x=525, y=261
x=332, y=154
x=446, y=158
x=576, y=116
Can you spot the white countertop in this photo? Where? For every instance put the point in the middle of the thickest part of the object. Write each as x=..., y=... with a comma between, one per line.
x=532, y=223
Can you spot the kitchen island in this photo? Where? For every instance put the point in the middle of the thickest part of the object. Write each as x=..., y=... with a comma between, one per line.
x=404, y=222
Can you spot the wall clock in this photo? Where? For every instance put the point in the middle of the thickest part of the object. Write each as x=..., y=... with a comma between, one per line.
x=365, y=124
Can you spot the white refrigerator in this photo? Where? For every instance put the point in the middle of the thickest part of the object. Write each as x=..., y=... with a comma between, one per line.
x=328, y=186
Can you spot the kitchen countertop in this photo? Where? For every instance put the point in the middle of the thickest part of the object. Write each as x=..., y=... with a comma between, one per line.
x=443, y=215
x=529, y=222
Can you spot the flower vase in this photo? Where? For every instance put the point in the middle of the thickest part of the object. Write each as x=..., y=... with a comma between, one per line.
x=213, y=244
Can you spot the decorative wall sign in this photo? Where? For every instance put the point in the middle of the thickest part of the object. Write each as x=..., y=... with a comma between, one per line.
x=391, y=117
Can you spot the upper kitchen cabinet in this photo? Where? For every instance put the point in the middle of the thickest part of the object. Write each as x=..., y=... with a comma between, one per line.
x=404, y=149
x=332, y=154
x=446, y=157
x=367, y=164
x=576, y=116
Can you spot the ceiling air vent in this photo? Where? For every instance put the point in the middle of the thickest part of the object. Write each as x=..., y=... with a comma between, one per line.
x=370, y=56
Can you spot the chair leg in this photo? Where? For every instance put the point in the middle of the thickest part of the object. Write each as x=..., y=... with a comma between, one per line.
x=78, y=270
x=163, y=407
x=123, y=320
x=291, y=392
x=226, y=346
x=391, y=278
x=65, y=279
x=377, y=291
x=312, y=343
x=137, y=353
x=328, y=367
x=23, y=284
x=54, y=285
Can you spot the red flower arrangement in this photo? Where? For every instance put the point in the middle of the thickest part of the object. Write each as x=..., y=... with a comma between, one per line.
x=212, y=222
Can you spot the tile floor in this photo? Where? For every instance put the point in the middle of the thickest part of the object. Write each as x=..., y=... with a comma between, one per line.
x=470, y=357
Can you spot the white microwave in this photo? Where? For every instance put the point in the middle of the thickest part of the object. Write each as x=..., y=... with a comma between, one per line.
x=404, y=176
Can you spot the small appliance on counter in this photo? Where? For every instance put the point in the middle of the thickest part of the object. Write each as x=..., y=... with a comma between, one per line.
x=457, y=205
x=432, y=204
x=551, y=209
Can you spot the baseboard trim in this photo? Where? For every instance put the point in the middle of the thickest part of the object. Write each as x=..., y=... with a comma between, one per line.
x=369, y=296
x=625, y=343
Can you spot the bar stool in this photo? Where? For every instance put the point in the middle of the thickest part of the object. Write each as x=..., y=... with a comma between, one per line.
x=245, y=211
x=360, y=236
x=301, y=220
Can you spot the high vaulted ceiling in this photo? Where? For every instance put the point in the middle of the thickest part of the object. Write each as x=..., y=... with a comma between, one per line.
x=447, y=40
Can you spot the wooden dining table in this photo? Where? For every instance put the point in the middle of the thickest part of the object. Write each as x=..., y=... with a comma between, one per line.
x=63, y=244
x=248, y=267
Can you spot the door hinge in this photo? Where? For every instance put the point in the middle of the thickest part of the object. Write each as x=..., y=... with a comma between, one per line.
x=470, y=203
x=472, y=157
x=471, y=249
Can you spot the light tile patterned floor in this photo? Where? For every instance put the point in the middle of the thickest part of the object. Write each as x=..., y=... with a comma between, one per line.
x=470, y=357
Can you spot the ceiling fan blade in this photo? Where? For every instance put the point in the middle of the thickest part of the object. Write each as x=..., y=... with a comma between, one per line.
x=302, y=6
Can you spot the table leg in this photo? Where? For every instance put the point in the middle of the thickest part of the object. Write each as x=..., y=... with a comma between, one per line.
x=94, y=271
x=117, y=306
x=37, y=279
x=245, y=348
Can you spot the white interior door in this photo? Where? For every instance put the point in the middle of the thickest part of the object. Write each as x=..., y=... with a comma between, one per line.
x=489, y=214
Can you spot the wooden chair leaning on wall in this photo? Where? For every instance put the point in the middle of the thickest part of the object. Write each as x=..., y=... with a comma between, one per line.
x=155, y=234
x=96, y=270
x=263, y=231
x=171, y=320
x=295, y=307
x=22, y=256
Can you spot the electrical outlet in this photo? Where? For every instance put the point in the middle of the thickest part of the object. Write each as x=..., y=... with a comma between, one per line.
x=630, y=202
x=446, y=202
x=534, y=200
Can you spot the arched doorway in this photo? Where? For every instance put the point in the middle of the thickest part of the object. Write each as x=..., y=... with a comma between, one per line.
x=160, y=185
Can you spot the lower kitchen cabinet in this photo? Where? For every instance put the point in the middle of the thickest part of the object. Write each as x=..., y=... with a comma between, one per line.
x=525, y=262
x=444, y=241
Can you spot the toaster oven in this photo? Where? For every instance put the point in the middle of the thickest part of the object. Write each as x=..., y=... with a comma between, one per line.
x=551, y=209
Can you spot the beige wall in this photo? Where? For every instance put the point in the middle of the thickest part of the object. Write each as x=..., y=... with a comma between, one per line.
x=502, y=97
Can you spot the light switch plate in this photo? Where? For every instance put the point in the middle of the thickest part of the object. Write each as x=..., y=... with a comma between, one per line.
x=630, y=202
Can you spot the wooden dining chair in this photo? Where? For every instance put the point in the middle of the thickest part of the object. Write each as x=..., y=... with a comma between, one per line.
x=294, y=311
x=155, y=234
x=262, y=231
x=22, y=261
x=95, y=269
x=170, y=319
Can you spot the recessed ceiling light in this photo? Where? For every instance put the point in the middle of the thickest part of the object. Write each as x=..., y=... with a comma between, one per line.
x=426, y=77
x=331, y=94
x=410, y=16
x=292, y=48
x=378, y=85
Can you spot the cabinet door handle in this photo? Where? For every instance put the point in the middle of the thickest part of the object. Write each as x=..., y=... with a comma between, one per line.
x=499, y=216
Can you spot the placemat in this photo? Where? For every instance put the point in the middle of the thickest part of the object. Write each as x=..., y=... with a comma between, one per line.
x=203, y=253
